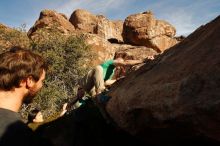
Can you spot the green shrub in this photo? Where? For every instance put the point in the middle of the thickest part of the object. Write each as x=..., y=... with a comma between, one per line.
x=13, y=37
x=66, y=57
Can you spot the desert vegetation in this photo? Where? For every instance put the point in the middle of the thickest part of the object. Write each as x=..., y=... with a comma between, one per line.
x=66, y=57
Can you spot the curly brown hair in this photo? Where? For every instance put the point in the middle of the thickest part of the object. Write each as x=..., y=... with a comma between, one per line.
x=18, y=64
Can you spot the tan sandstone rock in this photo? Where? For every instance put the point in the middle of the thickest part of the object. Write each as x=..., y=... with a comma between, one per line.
x=144, y=29
x=101, y=47
x=51, y=20
x=97, y=24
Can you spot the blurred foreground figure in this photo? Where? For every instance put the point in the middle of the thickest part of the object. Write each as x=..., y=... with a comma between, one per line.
x=21, y=77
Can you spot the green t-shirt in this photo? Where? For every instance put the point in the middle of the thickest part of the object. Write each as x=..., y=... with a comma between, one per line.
x=108, y=69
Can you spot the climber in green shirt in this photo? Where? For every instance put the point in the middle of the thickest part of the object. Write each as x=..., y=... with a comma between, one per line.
x=96, y=80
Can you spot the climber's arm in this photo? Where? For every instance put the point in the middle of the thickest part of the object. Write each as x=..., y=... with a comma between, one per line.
x=122, y=62
x=109, y=82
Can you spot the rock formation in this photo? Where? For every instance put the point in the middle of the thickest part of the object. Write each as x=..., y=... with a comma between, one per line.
x=84, y=20
x=175, y=98
x=51, y=20
x=139, y=30
x=87, y=22
x=96, y=29
x=143, y=29
x=133, y=52
x=168, y=101
x=101, y=47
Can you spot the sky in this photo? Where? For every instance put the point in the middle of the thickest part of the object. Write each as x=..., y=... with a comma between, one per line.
x=184, y=15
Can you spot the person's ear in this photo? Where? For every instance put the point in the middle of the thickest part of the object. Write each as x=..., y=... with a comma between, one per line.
x=23, y=83
x=29, y=82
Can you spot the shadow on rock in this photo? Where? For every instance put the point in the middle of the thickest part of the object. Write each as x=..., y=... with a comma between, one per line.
x=85, y=126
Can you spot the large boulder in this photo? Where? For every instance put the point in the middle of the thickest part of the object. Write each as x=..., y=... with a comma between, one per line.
x=143, y=29
x=51, y=20
x=96, y=24
x=174, y=99
x=84, y=20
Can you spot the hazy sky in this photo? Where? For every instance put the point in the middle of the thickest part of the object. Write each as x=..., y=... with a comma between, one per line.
x=184, y=15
